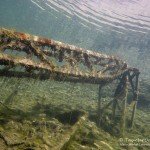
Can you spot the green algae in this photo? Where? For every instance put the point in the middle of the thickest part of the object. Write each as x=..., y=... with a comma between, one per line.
x=41, y=114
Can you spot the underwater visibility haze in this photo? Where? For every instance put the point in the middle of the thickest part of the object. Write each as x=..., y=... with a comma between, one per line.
x=46, y=114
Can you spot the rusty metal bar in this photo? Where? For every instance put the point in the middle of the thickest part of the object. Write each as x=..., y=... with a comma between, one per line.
x=56, y=59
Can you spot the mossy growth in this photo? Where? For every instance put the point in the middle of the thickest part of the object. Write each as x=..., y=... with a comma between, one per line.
x=43, y=114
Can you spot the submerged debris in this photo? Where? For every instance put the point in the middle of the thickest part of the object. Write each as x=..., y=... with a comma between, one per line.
x=46, y=58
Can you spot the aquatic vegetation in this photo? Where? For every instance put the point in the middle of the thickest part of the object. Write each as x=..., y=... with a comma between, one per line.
x=42, y=125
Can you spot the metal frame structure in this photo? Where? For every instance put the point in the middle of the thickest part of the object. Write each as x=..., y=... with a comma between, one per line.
x=24, y=55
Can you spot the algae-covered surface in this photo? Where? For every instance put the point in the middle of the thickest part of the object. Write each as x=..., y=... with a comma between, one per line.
x=49, y=115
